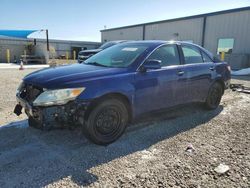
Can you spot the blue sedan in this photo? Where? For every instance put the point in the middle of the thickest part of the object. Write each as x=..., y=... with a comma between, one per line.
x=111, y=88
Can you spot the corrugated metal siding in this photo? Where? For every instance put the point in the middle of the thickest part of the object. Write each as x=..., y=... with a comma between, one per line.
x=16, y=48
x=227, y=25
x=133, y=33
x=186, y=29
x=232, y=25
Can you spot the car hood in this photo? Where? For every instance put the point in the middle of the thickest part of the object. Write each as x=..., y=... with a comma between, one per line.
x=69, y=75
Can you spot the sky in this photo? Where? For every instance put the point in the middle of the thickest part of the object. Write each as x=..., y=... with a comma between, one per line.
x=83, y=19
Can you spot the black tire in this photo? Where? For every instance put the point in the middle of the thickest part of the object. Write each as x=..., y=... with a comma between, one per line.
x=106, y=122
x=214, y=96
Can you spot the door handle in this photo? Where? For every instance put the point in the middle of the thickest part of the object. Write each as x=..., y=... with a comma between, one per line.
x=211, y=68
x=180, y=73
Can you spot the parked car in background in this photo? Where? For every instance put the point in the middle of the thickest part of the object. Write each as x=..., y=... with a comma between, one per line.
x=85, y=54
x=111, y=88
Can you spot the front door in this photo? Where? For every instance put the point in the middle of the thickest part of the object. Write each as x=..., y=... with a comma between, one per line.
x=160, y=88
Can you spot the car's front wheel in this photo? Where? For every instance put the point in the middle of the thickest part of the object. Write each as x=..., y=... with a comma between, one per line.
x=107, y=121
x=214, y=96
x=34, y=123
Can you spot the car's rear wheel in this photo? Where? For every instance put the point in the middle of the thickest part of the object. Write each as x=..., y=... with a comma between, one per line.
x=214, y=96
x=107, y=121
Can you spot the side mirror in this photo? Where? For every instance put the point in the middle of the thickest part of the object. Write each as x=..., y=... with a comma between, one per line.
x=150, y=64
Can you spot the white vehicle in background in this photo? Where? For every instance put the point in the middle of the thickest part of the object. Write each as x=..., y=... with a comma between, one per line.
x=85, y=54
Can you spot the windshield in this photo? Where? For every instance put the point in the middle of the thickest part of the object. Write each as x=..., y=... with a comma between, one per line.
x=118, y=56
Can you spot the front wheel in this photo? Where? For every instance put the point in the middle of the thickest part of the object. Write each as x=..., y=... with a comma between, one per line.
x=107, y=121
x=34, y=123
x=214, y=96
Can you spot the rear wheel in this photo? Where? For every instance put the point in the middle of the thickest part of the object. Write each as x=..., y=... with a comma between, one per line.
x=214, y=96
x=106, y=122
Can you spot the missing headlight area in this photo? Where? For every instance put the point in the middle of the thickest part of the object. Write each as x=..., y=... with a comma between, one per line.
x=49, y=116
x=29, y=92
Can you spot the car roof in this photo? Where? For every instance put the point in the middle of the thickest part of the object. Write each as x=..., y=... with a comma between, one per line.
x=117, y=41
x=161, y=42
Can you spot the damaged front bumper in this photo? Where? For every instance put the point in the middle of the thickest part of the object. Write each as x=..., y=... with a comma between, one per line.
x=60, y=116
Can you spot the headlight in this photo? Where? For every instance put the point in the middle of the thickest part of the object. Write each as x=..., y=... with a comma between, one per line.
x=57, y=97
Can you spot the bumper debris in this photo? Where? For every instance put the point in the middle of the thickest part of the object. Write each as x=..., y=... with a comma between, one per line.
x=240, y=88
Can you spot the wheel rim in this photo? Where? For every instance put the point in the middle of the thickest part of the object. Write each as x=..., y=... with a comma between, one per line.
x=215, y=96
x=108, y=121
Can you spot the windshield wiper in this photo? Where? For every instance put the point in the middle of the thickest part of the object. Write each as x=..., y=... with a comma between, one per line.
x=96, y=64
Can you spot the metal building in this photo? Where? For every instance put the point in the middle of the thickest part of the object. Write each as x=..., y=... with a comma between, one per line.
x=14, y=47
x=224, y=31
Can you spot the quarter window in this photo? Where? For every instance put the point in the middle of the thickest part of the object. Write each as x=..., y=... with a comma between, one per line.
x=225, y=45
x=168, y=55
x=192, y=55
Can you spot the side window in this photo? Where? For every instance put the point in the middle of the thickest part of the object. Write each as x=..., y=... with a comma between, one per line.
x=191, y=55
x=205, y=57
x=168, y=55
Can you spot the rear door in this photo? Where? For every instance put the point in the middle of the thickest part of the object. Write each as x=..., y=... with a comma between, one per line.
x=199, y=69
x=160, y=88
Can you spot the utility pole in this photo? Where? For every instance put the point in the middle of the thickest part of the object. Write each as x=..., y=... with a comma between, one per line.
x=47, y=39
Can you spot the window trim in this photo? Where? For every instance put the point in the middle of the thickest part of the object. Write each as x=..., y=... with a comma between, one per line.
x=192, y=46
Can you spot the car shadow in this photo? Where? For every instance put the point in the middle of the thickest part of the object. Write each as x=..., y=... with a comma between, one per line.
x=35, y=158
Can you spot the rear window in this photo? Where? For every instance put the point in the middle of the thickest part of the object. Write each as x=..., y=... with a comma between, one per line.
x=192, y=55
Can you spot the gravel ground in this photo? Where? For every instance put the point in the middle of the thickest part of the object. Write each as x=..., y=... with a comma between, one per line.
x=151, y=153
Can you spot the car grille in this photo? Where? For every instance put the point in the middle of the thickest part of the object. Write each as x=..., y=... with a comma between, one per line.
x=29, y=92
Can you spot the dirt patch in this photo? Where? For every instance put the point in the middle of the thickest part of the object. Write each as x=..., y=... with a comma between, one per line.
x=151, y=153
x=10, y=79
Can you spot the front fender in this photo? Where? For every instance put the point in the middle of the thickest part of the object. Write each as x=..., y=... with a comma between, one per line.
x=97, y=88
